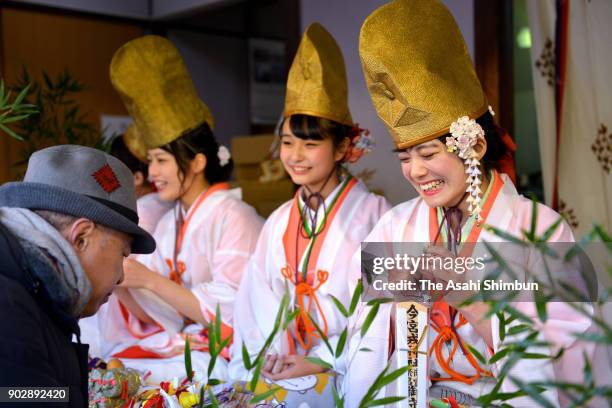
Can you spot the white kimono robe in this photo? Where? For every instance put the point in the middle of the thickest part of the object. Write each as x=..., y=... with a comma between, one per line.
x=409, y=222
x=150, y=210
x=218, y=241
x=263, y=285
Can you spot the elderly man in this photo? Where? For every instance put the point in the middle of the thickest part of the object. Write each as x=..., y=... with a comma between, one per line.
x=64, y=232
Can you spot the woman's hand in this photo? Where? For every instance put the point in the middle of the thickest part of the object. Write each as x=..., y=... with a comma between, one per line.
x=279, y=367
x=136, y=275
x=440, y=258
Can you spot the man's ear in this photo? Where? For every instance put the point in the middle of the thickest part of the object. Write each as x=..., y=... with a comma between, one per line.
x=198, y=164
x=80, y=233
x=480, y=147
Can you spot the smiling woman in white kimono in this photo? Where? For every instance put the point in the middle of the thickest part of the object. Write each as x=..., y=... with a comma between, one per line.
x=456, y=159
x=307, y=243
x=203, y=244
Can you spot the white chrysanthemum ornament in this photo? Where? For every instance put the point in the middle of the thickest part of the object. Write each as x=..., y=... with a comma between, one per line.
x=224, y=155
x=464, y=136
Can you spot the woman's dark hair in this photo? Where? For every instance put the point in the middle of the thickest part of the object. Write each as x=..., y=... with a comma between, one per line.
x=496, y=149
x=119, y=150
x=199, y=140
x=308, y=127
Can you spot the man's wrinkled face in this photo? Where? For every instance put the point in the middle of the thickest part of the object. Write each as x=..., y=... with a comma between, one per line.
x=101, y=252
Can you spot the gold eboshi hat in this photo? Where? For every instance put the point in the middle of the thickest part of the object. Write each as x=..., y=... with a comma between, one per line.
x=134, y=143
x=418, y=70
x=317, y=83
x=156, y=88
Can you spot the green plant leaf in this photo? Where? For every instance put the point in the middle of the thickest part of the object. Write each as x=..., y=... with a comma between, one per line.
x=383, y=401
x=519, y=328
x=533, y=392
x=355, y=297
x=188, y=367
x=337, y=400
x=502, y=325
x=369, y=319
x=246, y=359
x=256, y=374
x=10, y=132
x=340, y=306
x=341, y=342
x=263, y=396
x=218, y=320
x=320, y=362
x=499, y=355
x=213, y=400
x=476, y=354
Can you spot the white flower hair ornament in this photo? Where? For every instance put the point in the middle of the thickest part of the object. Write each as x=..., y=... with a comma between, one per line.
x=464, y=136
x=224, y=155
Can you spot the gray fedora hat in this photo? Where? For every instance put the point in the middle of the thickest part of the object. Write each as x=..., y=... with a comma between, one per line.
x=81, y=182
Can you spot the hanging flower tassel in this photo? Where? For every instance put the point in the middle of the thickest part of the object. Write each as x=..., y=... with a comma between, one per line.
x=464, y=136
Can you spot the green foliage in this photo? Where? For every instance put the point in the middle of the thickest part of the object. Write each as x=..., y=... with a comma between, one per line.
x=53, y=115
x=16, y=110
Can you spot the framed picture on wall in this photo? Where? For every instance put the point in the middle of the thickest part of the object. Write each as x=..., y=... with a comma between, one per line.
x=267, y=76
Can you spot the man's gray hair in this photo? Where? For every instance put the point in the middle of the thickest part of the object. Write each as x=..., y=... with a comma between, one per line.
x=57, y=220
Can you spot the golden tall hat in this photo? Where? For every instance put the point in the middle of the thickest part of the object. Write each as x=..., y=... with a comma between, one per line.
x=156, y=88
x=135, y=143
x=317, y=84
x=418, y=71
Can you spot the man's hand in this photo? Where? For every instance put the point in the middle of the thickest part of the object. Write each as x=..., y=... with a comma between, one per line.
x=279, y=367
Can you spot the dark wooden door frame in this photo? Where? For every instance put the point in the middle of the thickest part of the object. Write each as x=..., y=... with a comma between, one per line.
x=493, y=59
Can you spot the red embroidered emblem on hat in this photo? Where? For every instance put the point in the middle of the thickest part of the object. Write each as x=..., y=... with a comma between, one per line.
x=107, y=179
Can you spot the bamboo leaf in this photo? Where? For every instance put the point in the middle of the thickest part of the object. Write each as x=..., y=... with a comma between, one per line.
x=540, y=301
x=337, y=400
x=355, y=297
x=21, y=96
x=384, y=401
x=201, y=403
x=10, y=132
x=213, y=400
x=341, y=342
x=551, y=230
x=188, y=367
x=369, y=319
x=246, y=359
x=320, y=362
x=340, y=306
x=322, y=335
x=379, y=301
x=263, y=396
x=502, y=325
x=256, y=374
x=289, y=317
x=519, y=328
x=218, y=323
x=476, y=354
x=534, y=393
x=499, y=355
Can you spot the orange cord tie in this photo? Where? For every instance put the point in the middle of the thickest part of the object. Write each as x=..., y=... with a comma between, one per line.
x=176, y=275
x=446, y=334
x=305, y=329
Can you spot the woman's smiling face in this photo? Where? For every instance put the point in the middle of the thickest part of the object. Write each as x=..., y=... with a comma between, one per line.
x=164, y=173
x=437, y=175
x=308, y=162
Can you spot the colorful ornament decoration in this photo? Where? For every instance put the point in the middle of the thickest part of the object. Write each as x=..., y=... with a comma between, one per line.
x=465, y=133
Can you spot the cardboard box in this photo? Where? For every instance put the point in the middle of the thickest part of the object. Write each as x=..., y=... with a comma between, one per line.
x=248, y=152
